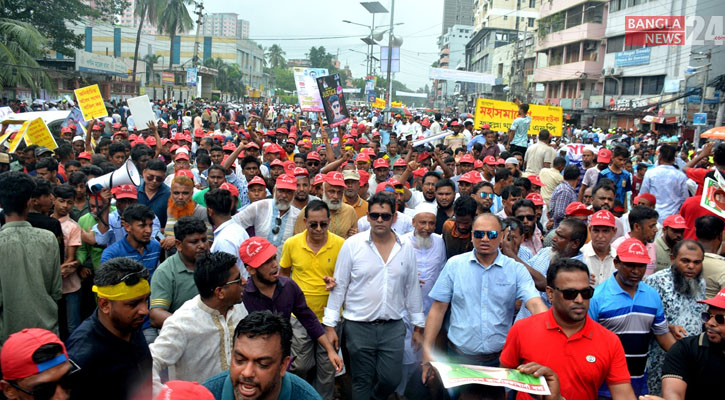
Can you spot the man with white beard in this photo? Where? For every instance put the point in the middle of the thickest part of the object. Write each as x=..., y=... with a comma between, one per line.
x=343, y=218
x=273, y=219
x=680, y=287
x=430, y=255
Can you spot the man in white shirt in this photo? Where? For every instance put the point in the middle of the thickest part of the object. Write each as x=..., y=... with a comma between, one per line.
x=228, y=235
x=374, y=328
x=196, y=341
x=273, y=219
x=541, y=155
x=599, y=253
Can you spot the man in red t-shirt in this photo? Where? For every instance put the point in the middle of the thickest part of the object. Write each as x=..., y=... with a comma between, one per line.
x=583, y=353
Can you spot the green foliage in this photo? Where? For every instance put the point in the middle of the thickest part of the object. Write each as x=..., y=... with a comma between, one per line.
x=284, y=79
x=20, y=45
x=275, y=56
x=53, y=18
x=229, y=77
x=174, y=19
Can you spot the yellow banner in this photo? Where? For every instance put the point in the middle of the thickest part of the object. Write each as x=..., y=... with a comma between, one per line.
x=15, y=142
x=379, y=103
x=37, y=133
x=91, y=102
x=501, y=114
x=396, y=104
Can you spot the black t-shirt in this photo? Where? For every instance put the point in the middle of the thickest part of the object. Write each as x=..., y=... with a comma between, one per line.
x=699, y=363
x=43, y=221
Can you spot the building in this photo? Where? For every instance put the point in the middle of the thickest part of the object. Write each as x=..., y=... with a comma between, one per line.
x=457, y=12
x=242, y=29
x=129, y=19
x=298, y=62
x=638, y=77
x=452, y=47
x=504, y=13
x=571, y=49
x=484, y=54
x=219, y=25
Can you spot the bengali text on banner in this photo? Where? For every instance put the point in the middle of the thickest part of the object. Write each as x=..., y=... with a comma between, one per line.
x=499, y=115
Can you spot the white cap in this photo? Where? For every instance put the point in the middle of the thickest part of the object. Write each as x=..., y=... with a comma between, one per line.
x=78, y=139
x=592, y=149
x=512, y=160
x=182, y=150
x=425, y=207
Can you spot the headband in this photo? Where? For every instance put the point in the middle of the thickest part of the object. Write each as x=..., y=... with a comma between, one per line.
x=121, y=291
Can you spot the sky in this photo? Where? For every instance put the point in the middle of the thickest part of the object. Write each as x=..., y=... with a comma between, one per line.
x=282, y=20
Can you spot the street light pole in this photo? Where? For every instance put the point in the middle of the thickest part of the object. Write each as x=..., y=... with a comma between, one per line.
x=388, y=95
x=708, y=56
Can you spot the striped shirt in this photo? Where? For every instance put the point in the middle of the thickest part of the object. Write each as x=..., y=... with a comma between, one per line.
x=633, y=320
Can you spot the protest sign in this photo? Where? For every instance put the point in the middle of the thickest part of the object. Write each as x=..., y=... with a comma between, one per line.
x=14, y=142
x=379, y=103
x=307, y=92
x=454, y=375
x=501, y=114
x=713, y=196
x=36, y=132
x=5, y=111
x=141, y=111
x=333, y=100
x=91, y=102
x=439, y=136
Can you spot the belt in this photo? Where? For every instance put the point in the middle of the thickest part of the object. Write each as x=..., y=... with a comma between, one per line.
x=382, y=321
x=478, y=357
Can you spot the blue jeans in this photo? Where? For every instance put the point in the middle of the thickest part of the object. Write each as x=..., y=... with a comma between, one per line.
x=73, y=309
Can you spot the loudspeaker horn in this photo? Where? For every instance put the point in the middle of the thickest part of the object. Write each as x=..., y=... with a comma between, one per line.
x=126, y=175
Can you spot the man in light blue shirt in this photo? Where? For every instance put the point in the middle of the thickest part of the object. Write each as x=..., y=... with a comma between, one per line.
x=481, y=287
x=667, y=183
x=519, y=131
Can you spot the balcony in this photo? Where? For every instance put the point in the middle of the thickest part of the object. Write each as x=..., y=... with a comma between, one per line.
x=568, y=104
x=563, y=72
x=445, y=51
x=574, y=34
x=444, y=60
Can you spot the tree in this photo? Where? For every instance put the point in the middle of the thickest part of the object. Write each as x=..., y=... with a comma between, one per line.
x=150, y=60
x=53, y=19
x=174, y=19
x=275, y=56
x=144, y=9
x=284, y=79
x=20, y=45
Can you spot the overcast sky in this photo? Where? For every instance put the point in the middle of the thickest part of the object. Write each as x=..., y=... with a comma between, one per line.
x=289, y=19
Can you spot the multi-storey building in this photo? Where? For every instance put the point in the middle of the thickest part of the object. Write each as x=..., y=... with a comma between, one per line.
x=452, y=47
x=456, y=12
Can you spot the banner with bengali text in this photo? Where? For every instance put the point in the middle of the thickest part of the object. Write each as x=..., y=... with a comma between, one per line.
x=499, y=115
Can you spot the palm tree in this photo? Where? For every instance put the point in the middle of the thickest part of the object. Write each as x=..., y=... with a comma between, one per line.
x=144, y=9
x=20, y=45
x=275, y=55
x=173, y=19
x=150, y=60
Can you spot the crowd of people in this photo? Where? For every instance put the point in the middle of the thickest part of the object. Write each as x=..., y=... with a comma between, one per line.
x=266, y=255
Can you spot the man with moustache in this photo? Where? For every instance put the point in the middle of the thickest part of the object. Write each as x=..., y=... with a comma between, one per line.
x=603, y=199
x=351, y=193
x=484, y=195
x=343, y=219
x=599, y=253
x=228, y=235
x=681, y=287
x=403, y=222
x=673, y=229
x=428, y=192
x=457, y=231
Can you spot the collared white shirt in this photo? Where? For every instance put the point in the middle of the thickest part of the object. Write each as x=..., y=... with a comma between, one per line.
x=402, y=225
x=430, y=264
x=261, y=215
x=227, y=238
x=417, y=198
x=602, y=269
x=369, y=288
x=195, y=343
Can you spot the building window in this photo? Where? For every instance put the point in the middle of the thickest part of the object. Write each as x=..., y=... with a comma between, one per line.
x=505, y=17
x=617, y=5
x=591, y=50
x=531, y=22
x=615, y=44
x=652, y=84
x=611, y=87
x=594, y=13
x=500, y=70
x=630, y=86
x=573, y=17
x=532, y=3
x=633, y=46
x=572, y=53
x=557, y=55
x=633, y=3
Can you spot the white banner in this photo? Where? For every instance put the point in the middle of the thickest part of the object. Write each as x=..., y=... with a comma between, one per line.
x=100, y=64
x=351, y=90
x=411, y=94
x=431, y=138
x=461, y=76
x=307, y=92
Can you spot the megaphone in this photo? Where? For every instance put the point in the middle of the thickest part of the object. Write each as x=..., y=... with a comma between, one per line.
x=126, y=175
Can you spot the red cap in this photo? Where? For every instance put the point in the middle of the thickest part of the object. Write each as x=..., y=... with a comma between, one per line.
x=467, y=158
x=454, y=123
x=394, y=182
x=535, y=180
x=285, y=181
x=717, y=301
x=420, y=172
x=489, y=160
x=174, y=148
x=289, y=167
x=335, y=178
x=400, y=163
x=350, y=142
x=66, y=129
x=231, y=188
x=646, y=196
x=603, y=218
x=423, y=156
x=16, y=359
x=84, y=156
x=96, y=127
x=116, y=126
x=633, y=251
x=364, y=176
x=604, y=156
x=181, y=156
x=256, y=250
x=132, y=137
x=276, y=162
x=385, y=186
x=125, y=192
x=306, y=133
x=536, y=199
x=300, y=172
x=318, y=180
x=362, y=157
x=198, y=132
x=381, y=163
x=577, y=209
x=252, y=145
x=486, y=126
x=182, y=390
x=313, y=155
x=376, y=134
x=270, y=133
x=259, y=181
x=291, y=141
x=307, y=144
x=185, y=173
x=151, y=141
x=500, y=161
x=478, y=164
x=472, y=177
x=367, y=151
x=229, y=146
x=273, y=148
x=675, y=222
x=362, y=140
x=425, y=122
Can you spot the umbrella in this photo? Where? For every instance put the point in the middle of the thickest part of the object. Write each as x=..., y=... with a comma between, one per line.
x=714, y=133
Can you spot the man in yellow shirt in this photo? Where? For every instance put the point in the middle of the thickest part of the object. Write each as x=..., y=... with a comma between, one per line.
x=309, y=258
x=351, y=193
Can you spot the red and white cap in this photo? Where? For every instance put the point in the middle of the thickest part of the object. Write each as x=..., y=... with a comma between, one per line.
x=285, y=181
x=716, y=301
x=318, y=179
x=578, y=209
x=16, y=359
x=125, y=192
x=181, y=155
x=259, y=181
x=467, y=158
x=535, y=180
x=313, y=155
x=231, y=188
x=633, y=251
x=381, y=163
x=400, y=163
x=675, y=222
x=84, y=155
x=335, y=178
x=536, y=199
x=362, y=157
x=276, y=163
x=603, y=218
x=472, y=177
x=298, y=171
x=182, y=390
x=256, y=250
x=489, y=160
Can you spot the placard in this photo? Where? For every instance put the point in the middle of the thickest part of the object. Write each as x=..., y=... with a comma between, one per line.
x=91, y=102
x=501, y=114
x=141, y=111
x=333, y=100
x=713, y=196
x=307, y=93
x=454, y=375
x=36, y=132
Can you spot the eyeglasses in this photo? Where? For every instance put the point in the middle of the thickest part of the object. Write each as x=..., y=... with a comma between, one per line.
x=313, y=163
x=238, y=280
x=719, y=318
x=384, y=216
x=134, y=277
x=481, y=234
x=277, y=223
x=315, y=224
x=571, y=294
x=46, y=390
x=487, y=195
x=522, y=218
x=156, y=178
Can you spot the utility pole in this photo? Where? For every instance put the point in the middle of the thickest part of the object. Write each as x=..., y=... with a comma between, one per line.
x=388, y=95
x=199, y=20
x=708, y=57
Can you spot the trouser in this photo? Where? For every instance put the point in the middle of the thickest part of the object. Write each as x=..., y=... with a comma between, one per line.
x=520, y=149
x=73, y=310
x=308, y=355
x=376, y=351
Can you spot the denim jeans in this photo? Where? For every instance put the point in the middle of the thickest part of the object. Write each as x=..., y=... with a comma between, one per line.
x=73, y=309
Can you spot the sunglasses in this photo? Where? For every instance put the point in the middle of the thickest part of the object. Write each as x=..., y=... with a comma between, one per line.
x=526, y=217
x=719, y=318
x=313, y=163
x=571, y=294
x=155, y=178
x=315, y=224
x=134, y=277
x=481, y=234
x=46, y=390
x=384, y=216
x=487, y=195
x=277, y=223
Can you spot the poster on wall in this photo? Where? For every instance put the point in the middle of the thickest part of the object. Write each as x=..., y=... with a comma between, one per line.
x=333, y=100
